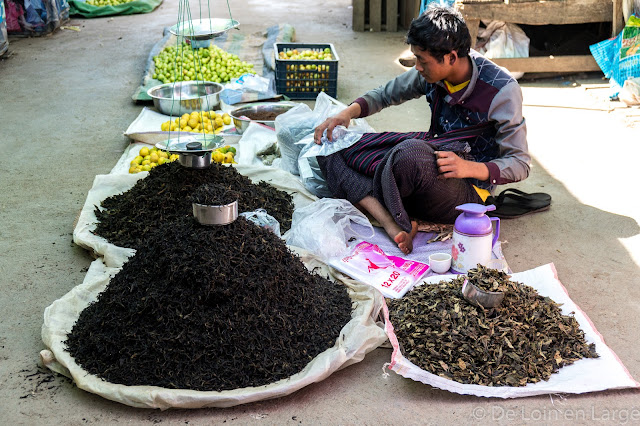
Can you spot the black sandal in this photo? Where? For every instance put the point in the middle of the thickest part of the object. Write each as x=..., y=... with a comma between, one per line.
x=512, y=203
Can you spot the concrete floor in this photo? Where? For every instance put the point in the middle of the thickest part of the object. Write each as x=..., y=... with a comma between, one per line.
x=65, y=101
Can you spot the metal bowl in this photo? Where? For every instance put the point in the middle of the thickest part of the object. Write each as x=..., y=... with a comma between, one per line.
x=478, y=297
x=182, y=97
x=243, y=116
x=215, y=215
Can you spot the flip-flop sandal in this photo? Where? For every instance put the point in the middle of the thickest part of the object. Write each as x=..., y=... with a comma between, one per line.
x=512, y=203
x=515, y=195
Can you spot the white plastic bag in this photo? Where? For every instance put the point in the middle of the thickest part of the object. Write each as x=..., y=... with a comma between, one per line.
x=261, y=218
x=324, y=227
x=503, y=40
x=300, y=121
x=254, y=140
x=630, y=93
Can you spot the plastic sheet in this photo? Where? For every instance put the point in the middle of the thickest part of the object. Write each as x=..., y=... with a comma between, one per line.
x=35, y=17
x=81, y=8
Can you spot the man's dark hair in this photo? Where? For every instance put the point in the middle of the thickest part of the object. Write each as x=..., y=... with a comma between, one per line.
x=439, y=30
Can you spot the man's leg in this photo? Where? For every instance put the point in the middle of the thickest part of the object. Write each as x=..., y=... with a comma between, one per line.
x=381, y=214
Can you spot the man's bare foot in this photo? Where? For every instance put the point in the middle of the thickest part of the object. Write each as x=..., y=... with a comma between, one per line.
x=405, y=240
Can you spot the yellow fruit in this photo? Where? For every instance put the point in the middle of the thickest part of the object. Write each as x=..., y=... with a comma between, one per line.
x=162, y=160
x=193, y=123
x=147, y=157
x=146, y=162
x=154, y=157
x=186, y=116
x=222, y=150
x=226, y=119
x=232, y=149
x=186, y=129
x=133, y=169
x=146, y=168
x=138, y=159
x=217, y=156
x=209, y=127
x=219, y=122
x=183, y=122
x=165, y=126
x=228, y=157
x=144, y=151
x=163, y=154
x=152, y=150
x=205, y=114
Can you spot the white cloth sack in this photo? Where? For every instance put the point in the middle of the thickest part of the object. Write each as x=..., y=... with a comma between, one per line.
x=585, y=375
x=119, y=181
x=358, y=337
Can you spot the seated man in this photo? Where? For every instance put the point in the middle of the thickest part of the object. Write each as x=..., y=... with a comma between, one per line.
x=476, y=140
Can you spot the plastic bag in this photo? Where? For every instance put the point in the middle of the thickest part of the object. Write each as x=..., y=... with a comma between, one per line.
x=298, y=122
x=630, y=93
x=324, y=227
x=393, y=276
x=248, y=88
x=261, y=218
x=255, y=139
x=503, y=40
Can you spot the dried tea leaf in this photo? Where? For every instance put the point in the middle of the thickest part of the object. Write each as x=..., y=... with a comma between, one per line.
x=525, y=340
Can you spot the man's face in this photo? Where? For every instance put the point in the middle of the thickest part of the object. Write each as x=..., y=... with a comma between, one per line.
x=429, y=67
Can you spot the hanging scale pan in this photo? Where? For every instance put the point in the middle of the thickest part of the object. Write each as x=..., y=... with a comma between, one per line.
x=203, y=29
x=193, y=151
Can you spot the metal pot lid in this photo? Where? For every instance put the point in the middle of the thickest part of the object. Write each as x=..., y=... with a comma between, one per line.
x=203, y=29
x=191, y=144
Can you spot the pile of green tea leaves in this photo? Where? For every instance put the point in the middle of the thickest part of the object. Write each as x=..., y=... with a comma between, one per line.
x=524, y=340
x=165, y=195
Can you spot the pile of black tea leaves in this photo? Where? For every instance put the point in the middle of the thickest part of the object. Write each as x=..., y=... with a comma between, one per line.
x=166, y=195
x=524, y=340
x=209, y=308
x=214, y=194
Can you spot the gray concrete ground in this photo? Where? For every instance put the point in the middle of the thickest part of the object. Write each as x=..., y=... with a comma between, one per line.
x=65, y=101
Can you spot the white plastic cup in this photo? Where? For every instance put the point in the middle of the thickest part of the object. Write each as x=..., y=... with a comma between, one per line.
x=440, y=262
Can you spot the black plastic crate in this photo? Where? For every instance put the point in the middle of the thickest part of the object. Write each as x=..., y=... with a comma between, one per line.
x=304, y=78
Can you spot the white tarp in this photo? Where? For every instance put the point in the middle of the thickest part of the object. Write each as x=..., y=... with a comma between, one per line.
x=358, y=337
x=585, y=375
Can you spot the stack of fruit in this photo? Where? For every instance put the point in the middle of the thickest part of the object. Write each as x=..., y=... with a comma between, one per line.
x=208, y=122
x=101, y=3
x=148, y=158
x=225, y=154
x=183, y=63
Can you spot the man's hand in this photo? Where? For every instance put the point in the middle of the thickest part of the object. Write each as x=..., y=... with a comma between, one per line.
x=343, y=118
x=452, y=166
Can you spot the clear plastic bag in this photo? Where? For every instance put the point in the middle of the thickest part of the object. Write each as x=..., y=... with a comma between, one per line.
x=261, y=218
x=324, y=227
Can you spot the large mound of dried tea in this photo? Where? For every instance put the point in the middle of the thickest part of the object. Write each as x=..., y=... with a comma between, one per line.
x=209, y=308
x=524, y=340
x=165, y=195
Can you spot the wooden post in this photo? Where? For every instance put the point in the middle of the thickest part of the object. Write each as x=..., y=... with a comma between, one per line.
x=392, y=15
x=358, y=15
x=375, y=15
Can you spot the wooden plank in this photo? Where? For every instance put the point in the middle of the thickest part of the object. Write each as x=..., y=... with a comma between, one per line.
x=392, y=15
x=572, y=63
x=542, y=13
x=375, y=15
x=618, y=18
x=358, y=15
x=474, y=26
